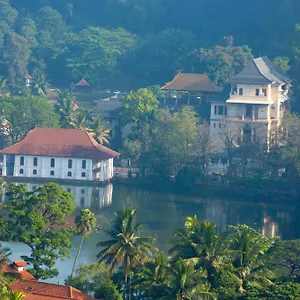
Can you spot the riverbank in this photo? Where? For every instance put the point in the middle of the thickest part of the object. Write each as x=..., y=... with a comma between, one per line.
x=239, y=192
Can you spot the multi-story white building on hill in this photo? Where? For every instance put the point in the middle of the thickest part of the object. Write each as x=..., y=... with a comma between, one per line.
x=253, y=107
x=59, y=154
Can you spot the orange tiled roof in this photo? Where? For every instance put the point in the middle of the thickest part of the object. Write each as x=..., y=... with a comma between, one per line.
x=82, y=82
x=25, y=275
x=60, y=143
x=20, y=263
x=35, y=290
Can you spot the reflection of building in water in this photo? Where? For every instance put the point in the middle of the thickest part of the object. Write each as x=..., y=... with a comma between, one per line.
x=216, y=212
x=269, y=228
x=85, y=196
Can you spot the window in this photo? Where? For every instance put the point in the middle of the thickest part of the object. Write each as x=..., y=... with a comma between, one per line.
x=257, y=92
x=83, y=164
x=35, y=161
x=220, y=125
x=215, y=109
x=52, y=173
x=34, y=172
x=225, y=110
x=52, y=163
x=264, y=92
x=214, y=125
x=69, y=190
x=234, y=89
x=70, y=163
x=82, y=201
x=21, y=171
x=69, y=174
x=241, y=91
x=220, y=110
x=22, y=161
x=82, y=191
x=83, y=174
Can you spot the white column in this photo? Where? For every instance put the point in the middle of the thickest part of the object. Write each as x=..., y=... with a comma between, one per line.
x=4, y=165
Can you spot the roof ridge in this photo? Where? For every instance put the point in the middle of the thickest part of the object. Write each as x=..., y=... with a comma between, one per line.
x=254, y=60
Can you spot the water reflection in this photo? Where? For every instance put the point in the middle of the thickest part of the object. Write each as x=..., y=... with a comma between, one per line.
x=92, y=197
x=162, y=213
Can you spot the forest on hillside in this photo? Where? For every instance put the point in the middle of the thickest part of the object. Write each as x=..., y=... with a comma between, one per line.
x=134, y=43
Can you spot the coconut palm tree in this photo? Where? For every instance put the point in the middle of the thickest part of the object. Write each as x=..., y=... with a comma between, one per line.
x=80, y=120
x=250, y=248
x=39, y=84
x=125, y=248
x=201, y=242
x=65, y=108
x=98, y=130
x=85, y=223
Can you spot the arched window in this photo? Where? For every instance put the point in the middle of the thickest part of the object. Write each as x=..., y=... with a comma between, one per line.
x=21, y=171
x=22, y=161
x=82, y=191
x=52, y=173
x=35, y=161
x=52, y=163
x=70, y=163
x=69, y=174
x=34, y=172
x=83, y=174
x=83, y=164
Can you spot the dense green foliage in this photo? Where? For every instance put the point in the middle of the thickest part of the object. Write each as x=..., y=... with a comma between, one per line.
x=239, y=263
x=37, y=219
x=133, y=43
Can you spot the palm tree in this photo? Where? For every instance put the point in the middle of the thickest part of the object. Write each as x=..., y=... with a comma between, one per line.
x=65, y=108
x=80, y=120
x=99, y=131
x=4, y=254
x=201, y=242
x=85, y=222
x=250, y=248
x=14, y=295
x=125, y=248
x=187, y=283
x=39, y=84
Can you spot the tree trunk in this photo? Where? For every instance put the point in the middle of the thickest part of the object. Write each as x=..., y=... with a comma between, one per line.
x=78, y=253
x=125, y=286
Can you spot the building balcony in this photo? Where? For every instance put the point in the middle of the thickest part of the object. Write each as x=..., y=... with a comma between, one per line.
x=245, y=99
x=244, y=119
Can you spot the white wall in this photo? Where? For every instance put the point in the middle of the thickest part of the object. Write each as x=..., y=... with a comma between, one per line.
x=250, y=90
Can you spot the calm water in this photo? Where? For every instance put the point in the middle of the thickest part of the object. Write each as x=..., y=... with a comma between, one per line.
x=163, y=212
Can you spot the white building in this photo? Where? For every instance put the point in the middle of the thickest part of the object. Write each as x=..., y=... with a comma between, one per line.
x=59, y=154
x=253, y=107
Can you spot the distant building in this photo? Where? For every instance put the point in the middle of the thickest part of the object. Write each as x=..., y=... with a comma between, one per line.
x=59, y=154
x=253, y=107
x=83, y=86
x=28, y=80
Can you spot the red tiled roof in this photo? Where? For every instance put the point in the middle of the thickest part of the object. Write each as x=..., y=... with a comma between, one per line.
x=192, y=83
x=60, y=143
x=82, y=82
x=25, y=275
x=20, y=263
x=36, y=290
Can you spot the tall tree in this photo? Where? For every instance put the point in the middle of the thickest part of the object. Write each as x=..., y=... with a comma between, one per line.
x=125, y=248
x=16, y=54
x=65, y=108
x=37, y=219
x=85, y=223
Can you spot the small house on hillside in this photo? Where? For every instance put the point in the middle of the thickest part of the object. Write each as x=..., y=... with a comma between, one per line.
x=59, y=154
x=83, y=86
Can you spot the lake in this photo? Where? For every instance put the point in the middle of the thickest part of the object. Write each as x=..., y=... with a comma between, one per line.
x=162, y=213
